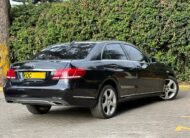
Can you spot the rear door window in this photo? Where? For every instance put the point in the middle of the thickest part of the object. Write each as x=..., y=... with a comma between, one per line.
x=134, y=54
x=114, y=52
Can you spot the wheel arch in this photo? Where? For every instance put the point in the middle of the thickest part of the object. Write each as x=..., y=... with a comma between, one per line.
x=170, y=73
x=111, y=82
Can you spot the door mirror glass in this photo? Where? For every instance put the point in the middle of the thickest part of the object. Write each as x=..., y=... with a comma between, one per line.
x=153, y=60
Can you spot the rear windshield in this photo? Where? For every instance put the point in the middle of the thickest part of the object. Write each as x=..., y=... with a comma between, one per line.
x=65, y=51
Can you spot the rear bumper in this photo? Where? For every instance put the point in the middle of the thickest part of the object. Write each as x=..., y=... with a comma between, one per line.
x=47, y=96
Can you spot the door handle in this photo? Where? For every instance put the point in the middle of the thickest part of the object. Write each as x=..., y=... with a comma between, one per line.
x=114, y=66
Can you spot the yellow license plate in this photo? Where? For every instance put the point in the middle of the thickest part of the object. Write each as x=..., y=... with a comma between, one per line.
x=34, y=75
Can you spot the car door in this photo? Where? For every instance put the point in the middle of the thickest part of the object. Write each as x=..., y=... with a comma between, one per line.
x=148, y=81
x=116, y=63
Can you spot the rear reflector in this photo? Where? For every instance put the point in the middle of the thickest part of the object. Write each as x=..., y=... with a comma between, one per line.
x=69, y=73
x=11, y=74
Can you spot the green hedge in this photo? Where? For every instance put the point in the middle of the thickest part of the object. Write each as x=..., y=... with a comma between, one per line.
x=159, y=27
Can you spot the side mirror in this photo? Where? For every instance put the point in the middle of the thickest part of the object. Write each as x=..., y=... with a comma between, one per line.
x=153, y=60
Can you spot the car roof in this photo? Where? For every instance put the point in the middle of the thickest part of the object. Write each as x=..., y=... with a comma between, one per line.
x=102, y=41
x=94, y=42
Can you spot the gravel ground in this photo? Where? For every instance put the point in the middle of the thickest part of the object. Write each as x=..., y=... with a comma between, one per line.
x=146, y=118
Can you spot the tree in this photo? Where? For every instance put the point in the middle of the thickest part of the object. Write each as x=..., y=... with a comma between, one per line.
x=4, y=34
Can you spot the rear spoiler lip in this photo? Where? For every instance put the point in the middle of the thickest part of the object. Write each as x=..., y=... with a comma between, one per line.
x=35, y=69
x=18, y=63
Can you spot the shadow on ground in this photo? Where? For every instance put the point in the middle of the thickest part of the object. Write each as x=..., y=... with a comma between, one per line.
x=85, y=112
x=79, y=115
x=122, y=107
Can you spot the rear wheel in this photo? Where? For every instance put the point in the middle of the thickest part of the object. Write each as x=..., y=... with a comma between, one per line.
x=107, y=103
x=170, y=89
x=38, y=109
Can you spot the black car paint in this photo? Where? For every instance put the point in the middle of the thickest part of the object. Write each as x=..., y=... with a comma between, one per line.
x=130, y=78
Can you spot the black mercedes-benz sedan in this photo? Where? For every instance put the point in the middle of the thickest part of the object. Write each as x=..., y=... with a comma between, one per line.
x=97, y=75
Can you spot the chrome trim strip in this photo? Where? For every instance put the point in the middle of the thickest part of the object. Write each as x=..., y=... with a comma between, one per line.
x=35, y=101
x=128, y=87
x=140, y=94
x=35, y=88
x=84, y=97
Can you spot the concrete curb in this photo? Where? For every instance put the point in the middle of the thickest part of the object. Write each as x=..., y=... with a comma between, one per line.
x=181, y=87
x=184, y=87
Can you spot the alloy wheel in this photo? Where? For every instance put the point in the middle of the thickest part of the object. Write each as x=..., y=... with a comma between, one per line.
x=170, y=89
x=109, y=102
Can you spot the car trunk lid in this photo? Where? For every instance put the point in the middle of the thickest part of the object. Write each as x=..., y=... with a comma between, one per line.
x=37, y=72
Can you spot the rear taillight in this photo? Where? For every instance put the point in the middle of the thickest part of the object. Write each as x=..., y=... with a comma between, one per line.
x=11, y=74
x=68, y=73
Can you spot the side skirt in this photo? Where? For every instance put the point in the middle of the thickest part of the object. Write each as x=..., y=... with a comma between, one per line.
x=137, y=96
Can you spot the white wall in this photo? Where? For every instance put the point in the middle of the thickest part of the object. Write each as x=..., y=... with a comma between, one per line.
x=15, y=3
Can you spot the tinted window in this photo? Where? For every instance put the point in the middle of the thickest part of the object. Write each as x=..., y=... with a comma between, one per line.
x=134, y=54
x=113, y=51
x=66, y=51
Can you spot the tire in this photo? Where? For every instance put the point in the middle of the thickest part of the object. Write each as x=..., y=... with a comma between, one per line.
x=107, y=103
x=170, y=89
x=38, y=109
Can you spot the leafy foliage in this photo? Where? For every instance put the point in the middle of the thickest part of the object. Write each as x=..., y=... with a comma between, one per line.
x=161, y=28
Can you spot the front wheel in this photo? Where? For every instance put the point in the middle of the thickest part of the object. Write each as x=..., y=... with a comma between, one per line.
x=107, y=103
x=171, y=89
x=38, y=109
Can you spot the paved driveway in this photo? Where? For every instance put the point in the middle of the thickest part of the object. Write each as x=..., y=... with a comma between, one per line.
x=147, y=118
